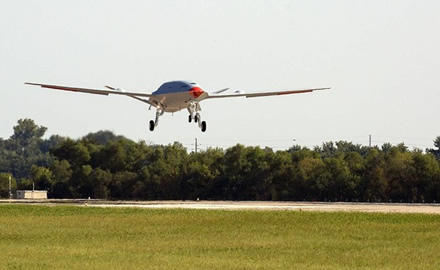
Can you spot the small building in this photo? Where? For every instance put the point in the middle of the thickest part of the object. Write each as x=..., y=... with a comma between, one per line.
x=31, y=194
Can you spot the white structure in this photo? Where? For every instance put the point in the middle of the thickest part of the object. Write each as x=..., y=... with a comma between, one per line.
x=31, y=194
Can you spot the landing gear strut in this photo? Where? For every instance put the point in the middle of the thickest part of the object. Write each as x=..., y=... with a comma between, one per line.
x=154, y=123
x=194, y=113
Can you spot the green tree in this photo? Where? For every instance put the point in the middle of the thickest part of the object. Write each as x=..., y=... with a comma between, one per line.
x=73, y=151
x=348, y=147
x=425, y=176
x=327, y=150
x=374, y=185
x=197, y=182
x=99, y=181
x=25, y=183
x=356, y=165
x=82, y=182
x=312, y=173
x=62, y=174
x=400, y=172
x=53, y=141
x=247, y=172
x=386, y=147
x=340, y=185
x=284, y=184
x=435, y=152
x=103, y=137
x=122, y=186
x=23, y=149
x=215, y=183
x=41, y=177
x=165, y=170
x=27, y=136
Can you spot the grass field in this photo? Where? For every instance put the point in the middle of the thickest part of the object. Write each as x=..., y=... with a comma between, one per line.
x=70, y=237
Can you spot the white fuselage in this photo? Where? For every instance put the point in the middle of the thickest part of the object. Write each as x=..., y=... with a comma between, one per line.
x=177, y=95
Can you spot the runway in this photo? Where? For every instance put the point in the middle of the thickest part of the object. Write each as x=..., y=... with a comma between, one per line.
x=246, y=205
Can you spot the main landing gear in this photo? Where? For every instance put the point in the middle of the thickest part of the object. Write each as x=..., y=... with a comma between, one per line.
x=154, y=124
x=194, y=114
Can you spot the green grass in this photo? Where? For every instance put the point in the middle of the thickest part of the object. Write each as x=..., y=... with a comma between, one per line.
x=68, y=237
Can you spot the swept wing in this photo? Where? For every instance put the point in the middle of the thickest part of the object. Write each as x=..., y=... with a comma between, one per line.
x=92, y=91
x=265, y=93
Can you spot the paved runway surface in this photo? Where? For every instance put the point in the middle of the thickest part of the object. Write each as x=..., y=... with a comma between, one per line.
x=246, y=205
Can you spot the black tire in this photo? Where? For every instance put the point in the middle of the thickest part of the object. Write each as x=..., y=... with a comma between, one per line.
x=203, y=126
x=151, y=125
x=189, y=118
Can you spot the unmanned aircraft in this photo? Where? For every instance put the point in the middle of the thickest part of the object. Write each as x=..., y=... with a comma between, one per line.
x=175, y=96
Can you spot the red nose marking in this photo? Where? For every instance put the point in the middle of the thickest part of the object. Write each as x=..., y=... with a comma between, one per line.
x=196, y=91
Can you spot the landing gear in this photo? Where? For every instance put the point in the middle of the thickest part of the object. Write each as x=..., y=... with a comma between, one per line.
x=194, y=113
x=153, y=124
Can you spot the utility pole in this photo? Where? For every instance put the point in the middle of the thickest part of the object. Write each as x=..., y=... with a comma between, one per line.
x=196, y=145
x=369, y=141
x=10, y=187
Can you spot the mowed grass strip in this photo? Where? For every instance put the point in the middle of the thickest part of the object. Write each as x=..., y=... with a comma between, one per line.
x=71, y=237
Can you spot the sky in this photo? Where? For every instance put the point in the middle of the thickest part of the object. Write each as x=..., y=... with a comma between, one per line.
x=381, y=59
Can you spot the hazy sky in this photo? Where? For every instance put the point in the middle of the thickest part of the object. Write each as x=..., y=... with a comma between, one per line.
x=381, y=59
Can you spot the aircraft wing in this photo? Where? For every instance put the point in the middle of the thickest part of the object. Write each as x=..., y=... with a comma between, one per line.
x=92, y=91
x=266, y=93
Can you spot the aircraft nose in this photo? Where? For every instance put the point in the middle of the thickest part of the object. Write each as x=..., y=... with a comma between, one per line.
x=196, y=91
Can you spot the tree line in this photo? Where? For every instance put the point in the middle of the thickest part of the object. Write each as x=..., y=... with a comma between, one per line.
x=102, y=165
